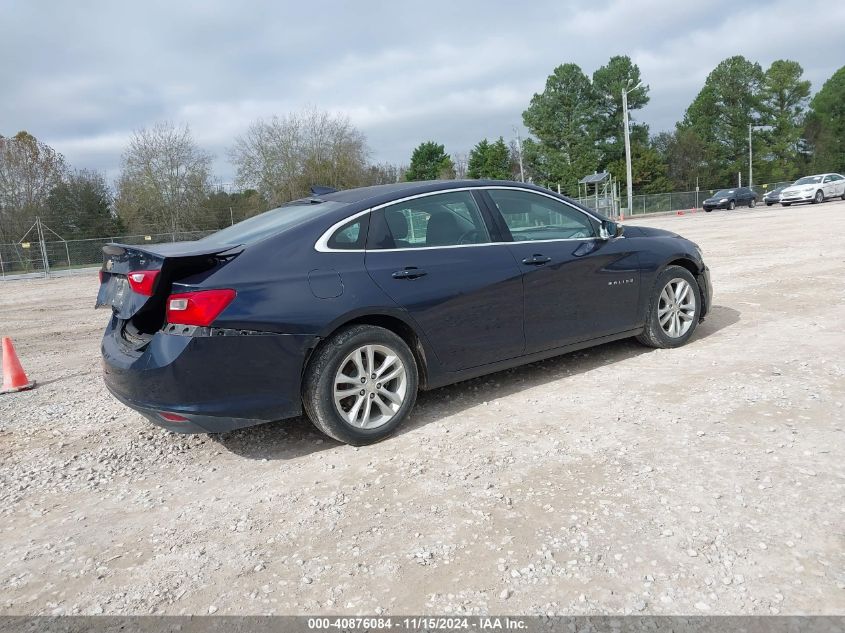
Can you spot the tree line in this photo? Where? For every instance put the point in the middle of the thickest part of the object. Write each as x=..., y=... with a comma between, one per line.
x=576, y=127
x=575, y=124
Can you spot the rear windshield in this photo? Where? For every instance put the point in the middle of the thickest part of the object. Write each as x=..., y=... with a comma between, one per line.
x=272, y=222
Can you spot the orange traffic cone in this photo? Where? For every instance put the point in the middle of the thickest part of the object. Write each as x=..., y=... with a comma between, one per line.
x=14, y=377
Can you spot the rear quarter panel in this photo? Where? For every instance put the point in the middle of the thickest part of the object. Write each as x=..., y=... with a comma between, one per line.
x=285, y=286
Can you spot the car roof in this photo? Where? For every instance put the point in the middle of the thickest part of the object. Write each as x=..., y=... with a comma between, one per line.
x=379, y=194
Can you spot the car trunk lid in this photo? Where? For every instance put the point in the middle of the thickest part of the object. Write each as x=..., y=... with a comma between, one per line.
x=166, y=263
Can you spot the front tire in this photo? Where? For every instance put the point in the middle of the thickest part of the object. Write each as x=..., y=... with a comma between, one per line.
x=360, y=384
x=785, y=204
x=674, y=309
x=731, y=205
x=752, y=203
x=768, y=204
x=819, y=197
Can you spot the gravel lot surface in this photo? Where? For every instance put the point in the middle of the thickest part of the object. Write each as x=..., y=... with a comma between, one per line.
x=708, y=479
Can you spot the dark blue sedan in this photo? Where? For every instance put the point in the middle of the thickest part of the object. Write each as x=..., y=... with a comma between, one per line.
x=345, y=304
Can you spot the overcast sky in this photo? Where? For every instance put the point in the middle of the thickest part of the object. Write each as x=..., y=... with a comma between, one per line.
x=82, y=75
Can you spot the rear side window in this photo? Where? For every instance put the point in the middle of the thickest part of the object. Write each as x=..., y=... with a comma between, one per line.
x=445, y=219
x=273, y=222
x=530, y=216
x=351, y=236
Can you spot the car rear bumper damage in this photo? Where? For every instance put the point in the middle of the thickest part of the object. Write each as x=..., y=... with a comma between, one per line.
x=209, y=381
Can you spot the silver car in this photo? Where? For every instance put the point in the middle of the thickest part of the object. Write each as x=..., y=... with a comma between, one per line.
x=814, y=189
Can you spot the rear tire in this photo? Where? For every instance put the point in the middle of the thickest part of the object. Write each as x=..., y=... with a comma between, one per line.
x=345, y=364
x=768, y=204
x=673, y=311
x=819, y=197
x=731, y=205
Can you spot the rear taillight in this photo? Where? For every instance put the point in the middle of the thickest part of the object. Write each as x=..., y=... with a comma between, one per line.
x=142, y=281
x=198, y=308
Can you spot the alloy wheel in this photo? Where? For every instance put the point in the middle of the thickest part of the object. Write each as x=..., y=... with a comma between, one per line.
x=370, y=386
x=676, y=307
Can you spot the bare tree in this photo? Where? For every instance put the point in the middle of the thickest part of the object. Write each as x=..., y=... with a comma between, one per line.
x=384, y=174
x=283, y=157
x=165, y=178
x=460, y=163
x=513, y=154
x=29, y=169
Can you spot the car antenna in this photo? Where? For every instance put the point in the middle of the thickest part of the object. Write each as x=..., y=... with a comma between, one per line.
x=319, y=190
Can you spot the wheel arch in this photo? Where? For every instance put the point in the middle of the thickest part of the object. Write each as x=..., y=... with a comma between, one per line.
x=696, y=271
x=391, y=322
x=683, y=262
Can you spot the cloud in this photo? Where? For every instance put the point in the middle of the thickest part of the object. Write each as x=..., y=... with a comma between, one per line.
x=82, y=76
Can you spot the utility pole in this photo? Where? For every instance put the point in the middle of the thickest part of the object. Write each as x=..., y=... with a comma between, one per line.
x=750, y=163
x=519, y=149
x=40, y=232
x=628, y=177
x=696, y=192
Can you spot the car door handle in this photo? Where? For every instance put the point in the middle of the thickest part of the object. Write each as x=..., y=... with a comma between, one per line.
x=409, y=272
x=536, y=260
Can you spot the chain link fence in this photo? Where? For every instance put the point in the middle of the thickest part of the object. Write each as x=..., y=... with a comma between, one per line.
x=672, y=201
x=64, y=257
x=47, y=257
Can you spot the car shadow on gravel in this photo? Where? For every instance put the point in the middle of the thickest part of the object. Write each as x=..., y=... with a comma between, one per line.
x=438, y=403
x=289, y=439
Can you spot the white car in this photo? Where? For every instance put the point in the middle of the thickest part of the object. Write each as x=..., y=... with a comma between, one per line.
x=814, y=189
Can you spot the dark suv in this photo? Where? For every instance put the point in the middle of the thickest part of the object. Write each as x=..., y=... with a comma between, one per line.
x=730, y=199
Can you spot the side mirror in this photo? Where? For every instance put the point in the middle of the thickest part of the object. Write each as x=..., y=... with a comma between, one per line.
x=610, y=229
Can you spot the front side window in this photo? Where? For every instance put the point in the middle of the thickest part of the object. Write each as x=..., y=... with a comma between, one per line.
x=444, y=219
x=530, y=216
